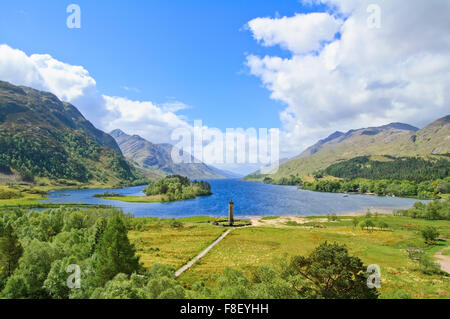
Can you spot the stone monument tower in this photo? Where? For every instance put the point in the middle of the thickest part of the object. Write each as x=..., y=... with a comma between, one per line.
x=231, y=213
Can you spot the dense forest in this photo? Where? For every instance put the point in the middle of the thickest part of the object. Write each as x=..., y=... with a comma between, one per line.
x=394, y=168
x=177, y=187
x=392, y=176
x=71, y=253
x=385, y=187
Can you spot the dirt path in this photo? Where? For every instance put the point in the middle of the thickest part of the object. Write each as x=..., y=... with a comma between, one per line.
x=203, y=253
x=442, y=260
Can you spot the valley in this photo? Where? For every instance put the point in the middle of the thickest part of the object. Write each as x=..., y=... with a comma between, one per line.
x=64, y=182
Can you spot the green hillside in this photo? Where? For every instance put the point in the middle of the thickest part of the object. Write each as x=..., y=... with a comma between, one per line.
x=395, y=139
x=45, y=140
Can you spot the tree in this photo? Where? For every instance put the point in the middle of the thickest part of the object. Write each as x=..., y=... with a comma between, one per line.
x=355, y=221
x=332, y=217
x=56, y=282
x=157, y=283
x=32, y=271
x=383, y=225
x=366, y=223
x=114, y=253
x=267, y=284
x=16, y=288
x=443, y=187
x=430, y=234
x=100, y=226
x=120, y=288
x=333, y=274
x=231, y=284
x=10, y=251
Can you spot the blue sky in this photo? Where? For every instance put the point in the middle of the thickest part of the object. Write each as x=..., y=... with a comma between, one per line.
x=191, y=51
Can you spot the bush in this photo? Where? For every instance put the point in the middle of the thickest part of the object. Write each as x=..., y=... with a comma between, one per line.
x=367, y=224
x=383, y=225
x=9, y=194
x=175, y=223
x=332, y=217
x=429, y=267
x=430, y=234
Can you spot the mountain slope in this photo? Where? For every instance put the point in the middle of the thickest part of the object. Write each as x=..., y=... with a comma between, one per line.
x=394, y=139
x=339, y=137
x=434, y=138
x=42, y=137
x=157, y=159
x=225, y=173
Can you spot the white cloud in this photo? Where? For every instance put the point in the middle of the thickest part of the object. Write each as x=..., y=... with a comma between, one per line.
x=41, y=71
x=299, y=34
x=366, y=77
x=68, y=82
x=16, y=67
x=131, y=89
x=74, y=84
x=174, y=106
x=143, y=118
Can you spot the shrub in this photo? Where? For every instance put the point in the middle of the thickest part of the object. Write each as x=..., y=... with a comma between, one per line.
x=430, y=234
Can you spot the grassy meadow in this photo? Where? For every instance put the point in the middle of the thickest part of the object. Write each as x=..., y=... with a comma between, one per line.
x=174, y=242
x=137, y=199
x=250, y=247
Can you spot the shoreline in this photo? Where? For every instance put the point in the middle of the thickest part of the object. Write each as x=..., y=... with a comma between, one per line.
x=359, y=212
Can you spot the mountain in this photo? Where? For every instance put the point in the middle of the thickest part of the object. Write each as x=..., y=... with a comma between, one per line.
x=225, y=173
x=339, y=137
x=157, y=158
x=258, y=173
x=395, y=139
x=42, y=137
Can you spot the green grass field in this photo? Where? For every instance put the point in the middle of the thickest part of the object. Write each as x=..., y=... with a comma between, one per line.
x=164, y=244
x=137, y=199
x=247, y=248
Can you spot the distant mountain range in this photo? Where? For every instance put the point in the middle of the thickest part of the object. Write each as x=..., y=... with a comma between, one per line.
x=395, y=139
x=156, y=159
x=45, y=138
x=49, y=140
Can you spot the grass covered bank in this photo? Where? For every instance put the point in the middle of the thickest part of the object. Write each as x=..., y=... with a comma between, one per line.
x=402, y=277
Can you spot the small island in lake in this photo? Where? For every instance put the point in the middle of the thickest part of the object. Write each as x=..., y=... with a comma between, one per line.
x=169, y=189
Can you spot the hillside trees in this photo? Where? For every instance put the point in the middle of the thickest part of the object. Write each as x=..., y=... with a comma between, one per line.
x=384, y=187
x=393, y=168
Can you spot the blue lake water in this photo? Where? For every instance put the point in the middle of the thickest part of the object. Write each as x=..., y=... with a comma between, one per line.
x=250, y=198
